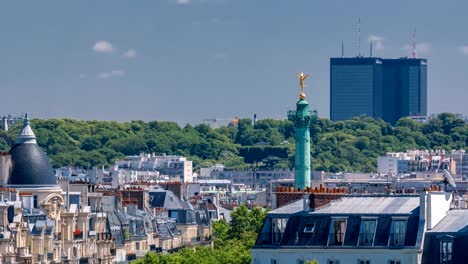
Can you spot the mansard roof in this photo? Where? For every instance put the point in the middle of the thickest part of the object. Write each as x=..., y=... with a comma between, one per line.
x=294, y=234
x=354, y=210
x=378, y=204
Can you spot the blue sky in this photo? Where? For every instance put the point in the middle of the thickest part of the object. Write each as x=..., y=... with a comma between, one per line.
x=186, y=60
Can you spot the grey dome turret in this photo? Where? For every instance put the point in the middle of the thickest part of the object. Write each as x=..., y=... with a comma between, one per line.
x=30, y=165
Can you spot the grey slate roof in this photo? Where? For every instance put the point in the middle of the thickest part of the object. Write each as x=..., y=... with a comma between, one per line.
x=294, y=235
x=372, y=205
x=160, y=198
x=454, y=221
x=291, y=208
x=353, y=209
x=453, y=227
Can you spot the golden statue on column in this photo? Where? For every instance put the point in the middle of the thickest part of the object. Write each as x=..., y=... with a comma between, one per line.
x=301, y=76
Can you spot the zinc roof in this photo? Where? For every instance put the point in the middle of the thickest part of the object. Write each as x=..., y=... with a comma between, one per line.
x=372, y=205
x=454, y=221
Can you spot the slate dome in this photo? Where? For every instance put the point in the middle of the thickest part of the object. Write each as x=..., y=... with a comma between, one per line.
x=30, y=165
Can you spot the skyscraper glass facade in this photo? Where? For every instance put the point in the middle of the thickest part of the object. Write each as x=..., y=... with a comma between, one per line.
x=356, y=88
x=380, y=88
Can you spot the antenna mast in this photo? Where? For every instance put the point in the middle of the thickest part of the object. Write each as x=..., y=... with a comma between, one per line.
x=414, y=44
x=371, y=48
x=342, y=49
x=359, y=37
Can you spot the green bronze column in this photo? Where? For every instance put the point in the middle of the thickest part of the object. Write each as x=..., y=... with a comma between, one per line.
x=302, y=119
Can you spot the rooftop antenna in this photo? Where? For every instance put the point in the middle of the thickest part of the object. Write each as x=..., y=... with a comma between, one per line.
x=448, y=180
x=342, y=49
x=414, y=44
x=371, y=49
x=359, y=37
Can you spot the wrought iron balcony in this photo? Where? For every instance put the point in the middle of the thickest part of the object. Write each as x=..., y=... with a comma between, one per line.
x=78, y=236
x=104, y=236
x=302, y=118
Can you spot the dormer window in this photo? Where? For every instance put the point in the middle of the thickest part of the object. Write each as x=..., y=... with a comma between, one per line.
x=337, y=232
x=309, y=228
x=397, y=232
x=367, y=231
x=446, y=250
x=278, y=227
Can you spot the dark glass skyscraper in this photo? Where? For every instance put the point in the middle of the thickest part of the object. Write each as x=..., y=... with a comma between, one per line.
x=355, y=87
x=382, y=88
x=405, y=88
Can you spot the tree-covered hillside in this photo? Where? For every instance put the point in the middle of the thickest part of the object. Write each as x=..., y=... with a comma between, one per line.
x=351, y=145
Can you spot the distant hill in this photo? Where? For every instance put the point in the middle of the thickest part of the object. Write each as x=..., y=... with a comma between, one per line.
x=351, y=145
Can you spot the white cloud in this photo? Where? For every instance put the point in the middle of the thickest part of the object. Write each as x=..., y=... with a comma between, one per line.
x=220, y=56
x=463, y=50
x=183, y=2
x=377, y=42
x=131, y=53
x=421, y=48
x=111, y=74
x=83, y=75
x=103, y=46
x=215, y=20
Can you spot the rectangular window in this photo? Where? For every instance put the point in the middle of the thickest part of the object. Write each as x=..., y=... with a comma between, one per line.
x=333, y=261
x=278, y=227
x=35, y=201
x=397, y=233
x=367, y=232
x=337, y=232
x=446, y=251
x=363, y=261
x=300, y=261
x=393, y=261
x=273, y=261
x=309, y=228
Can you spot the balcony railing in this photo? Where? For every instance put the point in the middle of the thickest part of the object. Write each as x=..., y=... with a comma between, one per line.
x=104, y=236
x=302, y=119
x=78, y=236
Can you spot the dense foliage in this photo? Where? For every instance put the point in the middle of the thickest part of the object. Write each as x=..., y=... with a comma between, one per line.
x=351, y=145
x=231, y=245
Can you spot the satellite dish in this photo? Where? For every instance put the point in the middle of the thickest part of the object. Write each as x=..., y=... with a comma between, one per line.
x=449, y=178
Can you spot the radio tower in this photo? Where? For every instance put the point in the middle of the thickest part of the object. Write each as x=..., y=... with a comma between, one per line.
x=413, y=55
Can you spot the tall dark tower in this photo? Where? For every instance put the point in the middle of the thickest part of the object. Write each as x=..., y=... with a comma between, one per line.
x=302, y=119
x=381, y=88
x=404, y=88
x=355, y=87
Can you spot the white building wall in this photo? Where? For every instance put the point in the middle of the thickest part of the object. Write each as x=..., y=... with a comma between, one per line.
x=188, y=171
x=386, y=164
x=205, y=172
x=176, y=165
x=438, y=204
x=345, y=256
x=5, y=164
